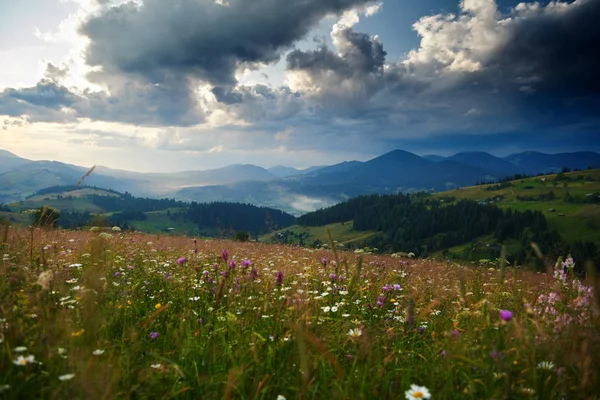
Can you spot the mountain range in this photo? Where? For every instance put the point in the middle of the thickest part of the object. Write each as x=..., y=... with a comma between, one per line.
x=289, y=189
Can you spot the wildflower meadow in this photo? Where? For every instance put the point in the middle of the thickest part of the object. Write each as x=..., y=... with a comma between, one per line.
x=117, y=315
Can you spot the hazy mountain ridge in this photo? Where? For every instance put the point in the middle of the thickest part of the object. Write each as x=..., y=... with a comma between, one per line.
x=282, y=171
x=288, y=188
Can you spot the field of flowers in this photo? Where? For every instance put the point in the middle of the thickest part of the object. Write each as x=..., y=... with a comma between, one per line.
x=105, y=315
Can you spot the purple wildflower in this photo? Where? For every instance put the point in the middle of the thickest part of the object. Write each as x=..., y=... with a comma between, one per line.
x=332, y=277
x=153, y=335
x=506, y=315
x=225, y=255
x=397, y=287
x=117, y=274
x=279, y=281
x=254, y=274
x=180, y=260
x=246, y=263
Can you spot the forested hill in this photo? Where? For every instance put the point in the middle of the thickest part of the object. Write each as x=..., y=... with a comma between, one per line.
x=86, y=206
x=424, y=225
x=237, y=217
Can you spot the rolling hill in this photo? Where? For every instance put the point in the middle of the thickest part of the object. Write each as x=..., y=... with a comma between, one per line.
x=578, y=218
x=562, y=211
x=87, y=206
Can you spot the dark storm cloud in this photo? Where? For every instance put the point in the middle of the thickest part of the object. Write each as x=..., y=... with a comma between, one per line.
x=346, y=79
x=555, y=53
x=362, y=55
x=200, y=38
x=537, y=68
x=46, y=94
x=44, y=102
x=145, y=105
x=152, y=57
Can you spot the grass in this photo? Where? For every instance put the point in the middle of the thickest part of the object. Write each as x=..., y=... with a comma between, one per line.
x=343, y=233
x=160, y=222
x=102, y=316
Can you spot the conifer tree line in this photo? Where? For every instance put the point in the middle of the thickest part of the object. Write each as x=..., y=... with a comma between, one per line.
x=405, y=223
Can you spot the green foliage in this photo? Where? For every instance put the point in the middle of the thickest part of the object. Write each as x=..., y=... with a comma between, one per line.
x=232, y=217
x=407, y=224
x=46, y=217
x=241, y=236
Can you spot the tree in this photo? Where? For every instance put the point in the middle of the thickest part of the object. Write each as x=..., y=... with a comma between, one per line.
x=241, y=236
x=46, y=217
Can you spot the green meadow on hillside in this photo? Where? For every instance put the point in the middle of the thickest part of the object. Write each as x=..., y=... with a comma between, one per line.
x=342, y=232
x=575, y=221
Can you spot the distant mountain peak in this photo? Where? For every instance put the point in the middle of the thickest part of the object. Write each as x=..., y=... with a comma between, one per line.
x=8, y=154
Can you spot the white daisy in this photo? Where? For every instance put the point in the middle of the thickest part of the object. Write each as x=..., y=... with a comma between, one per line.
x=354, y=333
x=23, y=361
x=98, y=352
x=546, y=365
x=417, y=392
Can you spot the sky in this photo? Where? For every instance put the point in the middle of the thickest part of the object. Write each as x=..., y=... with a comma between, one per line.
x=154, y=85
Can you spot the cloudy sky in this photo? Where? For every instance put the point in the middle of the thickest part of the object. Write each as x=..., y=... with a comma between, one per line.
x=156, y=85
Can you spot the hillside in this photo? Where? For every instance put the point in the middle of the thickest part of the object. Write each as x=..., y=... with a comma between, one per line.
x=343, y=233
x=87, y=206
x=569, y=201
x=557, y=212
